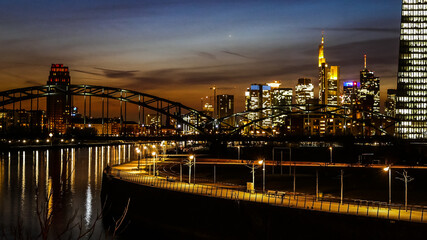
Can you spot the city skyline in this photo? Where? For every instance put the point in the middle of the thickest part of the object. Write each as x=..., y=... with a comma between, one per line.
x=162, y=48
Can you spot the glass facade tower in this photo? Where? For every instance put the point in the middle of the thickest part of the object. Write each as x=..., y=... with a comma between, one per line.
x=411, y=97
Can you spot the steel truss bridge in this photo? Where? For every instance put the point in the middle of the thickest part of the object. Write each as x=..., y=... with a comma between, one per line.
x=183, y=115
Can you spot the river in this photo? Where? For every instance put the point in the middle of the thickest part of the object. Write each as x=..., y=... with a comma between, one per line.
x=62, y=183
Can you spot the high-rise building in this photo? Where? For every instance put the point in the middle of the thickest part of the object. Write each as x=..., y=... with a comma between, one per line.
x=281, y=101
x=329, y=80
x=58, y=105
x=390, y=103
x=257, y=97
x=350, y=92
x=411, y=97
x=304, y=91
x=369, y=93
x=225, y=107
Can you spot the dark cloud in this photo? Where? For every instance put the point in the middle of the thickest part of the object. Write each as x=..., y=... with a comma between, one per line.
x=87, y=72
x=236, y=54
x=110, y=73
x=206, y=55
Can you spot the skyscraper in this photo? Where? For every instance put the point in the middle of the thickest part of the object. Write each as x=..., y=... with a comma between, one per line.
x=329, y=79
x=350, y=92
x=304, y=91
x=225, y=107
x=411, y=97
x=258, y=96
x=58, y=103
x=369, y=94
x=390, y=103
x=281, y=98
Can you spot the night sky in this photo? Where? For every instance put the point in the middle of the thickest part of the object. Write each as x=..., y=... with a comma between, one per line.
x=179, y=49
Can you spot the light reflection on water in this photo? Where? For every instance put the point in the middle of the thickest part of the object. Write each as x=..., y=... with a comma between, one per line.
x=72, y=175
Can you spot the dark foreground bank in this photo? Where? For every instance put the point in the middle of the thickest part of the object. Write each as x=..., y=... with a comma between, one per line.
x=155, y=213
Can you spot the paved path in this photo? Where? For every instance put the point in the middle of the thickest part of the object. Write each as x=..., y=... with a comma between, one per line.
x=129, y=172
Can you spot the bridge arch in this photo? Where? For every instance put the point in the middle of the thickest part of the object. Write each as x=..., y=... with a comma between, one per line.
x=160, y=105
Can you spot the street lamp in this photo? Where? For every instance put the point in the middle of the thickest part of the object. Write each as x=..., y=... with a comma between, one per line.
x=51, y=141
x=388, y=169
x=251, y=164
x=406, y=179
x=238, y=152
x=139, y=155
x=154, y=165
x=144, y=149
x=190, y=164
x=263, y=173
x=193, y=159
x=330, y=151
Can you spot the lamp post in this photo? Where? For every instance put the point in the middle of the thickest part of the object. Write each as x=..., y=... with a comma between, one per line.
x=139, y=155
x=154, y=164
x=317, y=184
x=144, y=149
x=406, y=179
x=251, y=164
x=193, y=160
x=388, y=169
x=190, y=164
x=50, y=136
x=263, y=174
x=330, y=153
x=238, y=152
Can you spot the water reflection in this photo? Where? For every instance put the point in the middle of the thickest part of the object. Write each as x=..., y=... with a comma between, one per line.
x=68, y=180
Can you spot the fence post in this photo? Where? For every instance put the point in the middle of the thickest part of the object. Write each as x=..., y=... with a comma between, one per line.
x=305, y=200
x=422, y=214
x=367, y=210
x=378, y=210
x=330, y=203
x=388, y=213
x=399, y=214
x=410, y=215
x=358, y=205
x=321, y=204
x=348, y=208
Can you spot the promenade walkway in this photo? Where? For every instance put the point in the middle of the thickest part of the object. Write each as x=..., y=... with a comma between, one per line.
x=130, y=173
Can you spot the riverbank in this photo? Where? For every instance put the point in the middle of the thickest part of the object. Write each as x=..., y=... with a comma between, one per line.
x=158, y=211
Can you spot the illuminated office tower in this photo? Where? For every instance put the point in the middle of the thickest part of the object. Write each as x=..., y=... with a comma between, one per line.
x=304, y=91
x=369, y=93
x=281, y=98
x=411, y=97
x=333, y=91
x=329, y=79
x=390, y=103
x=58, y=106
x=350, y=96
x=350, y=92
x=258, y=96
x=225, y=107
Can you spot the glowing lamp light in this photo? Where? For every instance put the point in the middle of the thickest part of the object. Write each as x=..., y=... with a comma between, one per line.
x=386, y=169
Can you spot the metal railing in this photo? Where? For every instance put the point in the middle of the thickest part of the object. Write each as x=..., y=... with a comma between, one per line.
x=284, y=199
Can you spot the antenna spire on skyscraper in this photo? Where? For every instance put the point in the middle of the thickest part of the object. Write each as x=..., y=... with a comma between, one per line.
x=364, y=64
